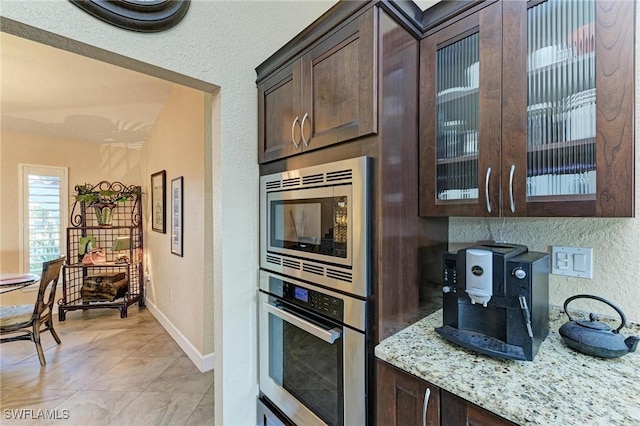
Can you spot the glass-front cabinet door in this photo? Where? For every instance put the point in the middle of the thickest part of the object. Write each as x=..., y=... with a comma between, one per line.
x=576, y=84
x=527, y=109
x=561, y=99
x=460, y=116
x=457, y=91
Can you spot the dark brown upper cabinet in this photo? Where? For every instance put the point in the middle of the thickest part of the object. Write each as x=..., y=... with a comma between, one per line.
x=526, y=109
x=325, y=96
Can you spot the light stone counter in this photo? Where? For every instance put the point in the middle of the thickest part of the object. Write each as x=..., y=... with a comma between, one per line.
x=559, y=387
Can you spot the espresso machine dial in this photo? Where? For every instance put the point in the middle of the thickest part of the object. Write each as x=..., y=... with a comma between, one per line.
x=519, y=273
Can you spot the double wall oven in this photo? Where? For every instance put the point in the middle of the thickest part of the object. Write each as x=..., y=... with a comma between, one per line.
x=313, y=295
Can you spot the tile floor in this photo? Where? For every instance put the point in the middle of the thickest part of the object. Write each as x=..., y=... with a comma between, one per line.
x=107, y=371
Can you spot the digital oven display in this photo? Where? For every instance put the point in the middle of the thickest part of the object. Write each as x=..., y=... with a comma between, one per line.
x=301, y=294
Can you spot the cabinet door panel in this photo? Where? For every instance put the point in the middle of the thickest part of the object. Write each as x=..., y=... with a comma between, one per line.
x=460, y=116
x=615, y=94
x=339, y=87
x=560, y=129
x=334, y=98
x=401, y=397
x=574, y=88
x=514, y=123
x=476, y=416
x=279, y=114
x=457, y=411
x=454, y=409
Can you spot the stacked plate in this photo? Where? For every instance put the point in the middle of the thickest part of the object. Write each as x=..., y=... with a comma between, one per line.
x=580, y=115
x=450, y=143
x=458, y=194
x=562, y=184
x=451, y=90
x=538, y=122
x=548, y=55
x=473, y=75
x=570, y=120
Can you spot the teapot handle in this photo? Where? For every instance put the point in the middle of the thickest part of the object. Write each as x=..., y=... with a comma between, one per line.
x=600, y=299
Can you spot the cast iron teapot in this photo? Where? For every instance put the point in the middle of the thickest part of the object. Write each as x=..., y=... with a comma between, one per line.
x=595, y=338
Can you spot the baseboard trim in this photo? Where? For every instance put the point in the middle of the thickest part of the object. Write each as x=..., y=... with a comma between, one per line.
x=203, y=362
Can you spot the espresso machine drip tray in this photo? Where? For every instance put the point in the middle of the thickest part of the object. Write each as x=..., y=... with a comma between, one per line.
x=482, y=343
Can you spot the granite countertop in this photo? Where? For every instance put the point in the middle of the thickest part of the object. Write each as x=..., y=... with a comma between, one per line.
x=559, y=387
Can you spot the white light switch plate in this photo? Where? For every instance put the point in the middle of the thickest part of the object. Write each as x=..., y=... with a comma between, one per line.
x=572, y=261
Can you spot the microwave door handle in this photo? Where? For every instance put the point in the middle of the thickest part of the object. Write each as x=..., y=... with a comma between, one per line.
x=329, y=336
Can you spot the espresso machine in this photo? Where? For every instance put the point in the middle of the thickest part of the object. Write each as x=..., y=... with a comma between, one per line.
x=496, y=300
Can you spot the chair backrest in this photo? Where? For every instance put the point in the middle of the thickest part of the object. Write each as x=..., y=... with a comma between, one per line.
x=50, y=275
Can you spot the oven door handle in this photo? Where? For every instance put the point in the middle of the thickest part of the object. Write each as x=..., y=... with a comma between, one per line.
x=329, y=336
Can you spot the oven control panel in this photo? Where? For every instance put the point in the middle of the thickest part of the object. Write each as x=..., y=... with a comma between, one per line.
x=314, y=301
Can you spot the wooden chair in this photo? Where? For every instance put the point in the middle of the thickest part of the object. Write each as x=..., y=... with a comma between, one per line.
x=29, y=319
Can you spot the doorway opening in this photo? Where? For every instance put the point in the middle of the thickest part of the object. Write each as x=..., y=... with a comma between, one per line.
x=117, y=147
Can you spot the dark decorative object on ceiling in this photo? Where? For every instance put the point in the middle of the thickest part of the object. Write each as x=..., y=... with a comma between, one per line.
x=138, y=15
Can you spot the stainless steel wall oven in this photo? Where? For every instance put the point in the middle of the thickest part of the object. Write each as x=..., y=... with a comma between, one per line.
x=312, y=352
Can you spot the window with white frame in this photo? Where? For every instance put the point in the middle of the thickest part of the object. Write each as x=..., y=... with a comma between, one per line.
x=44, y=204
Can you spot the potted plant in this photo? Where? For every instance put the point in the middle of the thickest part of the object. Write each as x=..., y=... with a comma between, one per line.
x=104, y=197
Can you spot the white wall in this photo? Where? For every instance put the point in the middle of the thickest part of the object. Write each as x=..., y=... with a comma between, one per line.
x=175, y=293
x=615, y=243
x=220, y=43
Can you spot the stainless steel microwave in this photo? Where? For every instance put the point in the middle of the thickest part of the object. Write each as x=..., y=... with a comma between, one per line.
x=314, y=224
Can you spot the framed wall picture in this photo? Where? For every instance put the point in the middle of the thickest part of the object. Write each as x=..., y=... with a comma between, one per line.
x=158, y=201
x=176, y=216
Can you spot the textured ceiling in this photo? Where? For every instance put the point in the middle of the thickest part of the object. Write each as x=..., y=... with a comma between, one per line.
x=58, y=94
